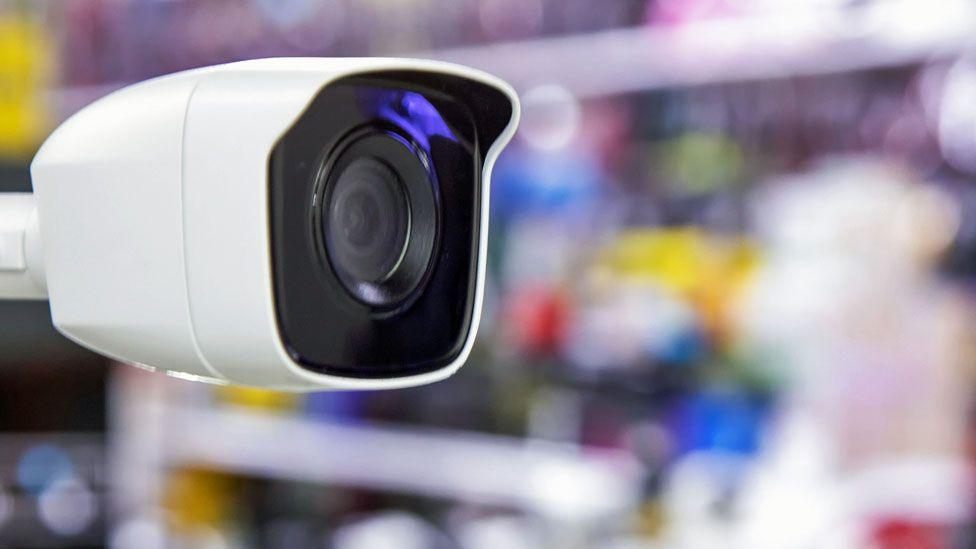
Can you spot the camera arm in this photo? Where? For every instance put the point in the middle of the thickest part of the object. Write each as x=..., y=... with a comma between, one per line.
x=21, y=262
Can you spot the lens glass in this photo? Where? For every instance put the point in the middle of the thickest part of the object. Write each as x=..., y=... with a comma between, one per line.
x=377, y=217
x=367, y=223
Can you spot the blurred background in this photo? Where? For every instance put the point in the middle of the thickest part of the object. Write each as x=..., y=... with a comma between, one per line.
x=729, y=304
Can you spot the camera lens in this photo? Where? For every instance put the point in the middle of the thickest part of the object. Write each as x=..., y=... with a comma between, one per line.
x=368, y=221
x=377, y=217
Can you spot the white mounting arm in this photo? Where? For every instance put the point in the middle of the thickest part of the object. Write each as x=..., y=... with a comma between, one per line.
x=21, y=262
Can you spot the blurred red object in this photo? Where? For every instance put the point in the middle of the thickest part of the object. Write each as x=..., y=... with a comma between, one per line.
x=909, y=534
x=535, y=320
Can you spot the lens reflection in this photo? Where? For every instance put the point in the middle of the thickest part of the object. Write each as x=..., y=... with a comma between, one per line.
x=368, y=221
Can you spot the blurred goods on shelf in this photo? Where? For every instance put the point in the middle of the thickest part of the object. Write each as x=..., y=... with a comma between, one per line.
x=24, y=68
x=729, y=303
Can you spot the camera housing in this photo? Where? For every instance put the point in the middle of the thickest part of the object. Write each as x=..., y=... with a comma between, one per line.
x=295, y=224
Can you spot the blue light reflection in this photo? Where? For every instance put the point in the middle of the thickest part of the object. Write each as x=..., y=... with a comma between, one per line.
x=409, y=111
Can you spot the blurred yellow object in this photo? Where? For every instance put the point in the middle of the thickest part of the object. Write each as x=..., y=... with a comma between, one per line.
x=709, y=271
x=257, y=398
x=672, y=258
x=198, y=498
x=682, y=259
x=651, y=520
x=24, y=58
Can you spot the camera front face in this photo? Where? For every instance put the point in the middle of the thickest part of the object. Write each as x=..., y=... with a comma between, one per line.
x=375, y=216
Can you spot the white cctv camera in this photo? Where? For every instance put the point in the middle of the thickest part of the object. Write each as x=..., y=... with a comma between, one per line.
x=296, y=224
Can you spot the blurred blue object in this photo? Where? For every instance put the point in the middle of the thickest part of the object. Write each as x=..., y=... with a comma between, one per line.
x=41, y=465
x=335, y=405
x=684, y=347
x=564, y=182
x=722, y=421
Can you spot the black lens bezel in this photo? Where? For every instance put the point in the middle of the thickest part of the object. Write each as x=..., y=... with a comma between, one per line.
x=411, y=165
x=321, y=327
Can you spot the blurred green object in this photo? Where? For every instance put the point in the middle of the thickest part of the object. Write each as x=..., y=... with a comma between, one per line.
x=700, y=163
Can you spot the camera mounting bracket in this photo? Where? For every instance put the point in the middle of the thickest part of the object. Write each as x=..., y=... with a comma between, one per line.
x=21, y=261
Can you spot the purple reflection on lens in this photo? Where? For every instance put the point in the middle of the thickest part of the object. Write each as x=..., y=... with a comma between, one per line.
x=410, y=111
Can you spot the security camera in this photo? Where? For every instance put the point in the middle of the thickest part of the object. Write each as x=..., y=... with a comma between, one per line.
x=296, y=224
